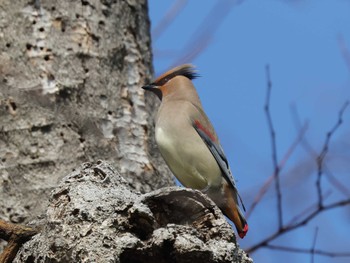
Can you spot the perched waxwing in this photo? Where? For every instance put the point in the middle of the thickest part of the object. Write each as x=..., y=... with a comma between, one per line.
x=189, y=144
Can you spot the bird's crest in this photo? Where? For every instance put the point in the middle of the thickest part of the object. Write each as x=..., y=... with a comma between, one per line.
x=186, y=70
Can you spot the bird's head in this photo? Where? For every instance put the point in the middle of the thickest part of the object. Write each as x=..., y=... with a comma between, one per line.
x=164, y=84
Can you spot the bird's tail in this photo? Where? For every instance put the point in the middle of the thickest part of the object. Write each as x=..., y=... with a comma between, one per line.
x=233, y=212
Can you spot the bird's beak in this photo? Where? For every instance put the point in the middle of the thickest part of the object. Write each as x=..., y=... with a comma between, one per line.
x=149, y=87
x=154, y=89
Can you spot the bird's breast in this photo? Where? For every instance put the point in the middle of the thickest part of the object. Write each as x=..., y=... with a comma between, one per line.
x=188, y=157
x=164, y=141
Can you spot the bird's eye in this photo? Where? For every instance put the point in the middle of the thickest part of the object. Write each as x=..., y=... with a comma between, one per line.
x=163, y=81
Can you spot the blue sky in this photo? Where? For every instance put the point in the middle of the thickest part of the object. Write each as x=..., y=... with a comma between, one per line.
x=301, y=41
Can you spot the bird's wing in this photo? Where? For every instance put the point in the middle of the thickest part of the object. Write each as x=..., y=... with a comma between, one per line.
x=218, y=154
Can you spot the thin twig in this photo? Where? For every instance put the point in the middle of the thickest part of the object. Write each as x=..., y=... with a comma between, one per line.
x=205, y=31
x=168, y=18
x=274, y=148
x=335, y=182
x=313, y=246
x=312, y=152
x=308, y=251
x=266, y=185
x=324, y=151
x=265, y=242
x=283, y=229
x=307, y=210
x=344, y=50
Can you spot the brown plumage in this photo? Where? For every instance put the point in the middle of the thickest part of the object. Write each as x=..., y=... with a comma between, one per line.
x=189, y=144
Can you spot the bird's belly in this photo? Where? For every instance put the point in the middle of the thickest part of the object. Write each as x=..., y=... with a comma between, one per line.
x=190, y=160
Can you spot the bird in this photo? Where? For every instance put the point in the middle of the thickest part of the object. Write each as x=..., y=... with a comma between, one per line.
x=189, y=144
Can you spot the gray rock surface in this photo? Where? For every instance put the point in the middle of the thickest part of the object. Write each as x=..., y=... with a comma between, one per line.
x=94, y=216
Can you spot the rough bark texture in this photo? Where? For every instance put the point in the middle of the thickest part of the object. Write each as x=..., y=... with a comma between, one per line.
x=71, y=73
x=94, y=216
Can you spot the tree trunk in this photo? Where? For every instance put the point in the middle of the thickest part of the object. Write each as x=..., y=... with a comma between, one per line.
x=71, y=73
x=70, y=78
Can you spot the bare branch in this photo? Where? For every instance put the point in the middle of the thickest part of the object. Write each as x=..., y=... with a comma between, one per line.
x=324, y=152
x=313, y=246
x=308, y=251
x=335, y=182
x=265, y=242
x=274, y=148
x=344, y=50
x=205, y=31
x=266, y=185
x=312, y=152
x=319, y=207
x=306, y=211
x=168, y=18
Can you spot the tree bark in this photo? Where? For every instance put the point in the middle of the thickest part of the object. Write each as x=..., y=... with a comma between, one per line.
x=71, y=73
x=94, y=216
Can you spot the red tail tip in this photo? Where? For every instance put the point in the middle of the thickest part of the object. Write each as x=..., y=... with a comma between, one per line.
x=244, y=232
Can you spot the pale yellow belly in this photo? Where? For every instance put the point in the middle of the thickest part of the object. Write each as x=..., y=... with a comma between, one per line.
x=189, y=159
